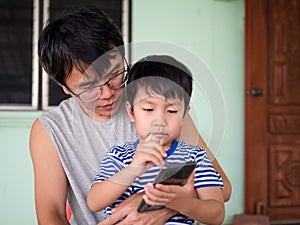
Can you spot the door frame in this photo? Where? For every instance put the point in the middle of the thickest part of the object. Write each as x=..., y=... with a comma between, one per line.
x=256, y=176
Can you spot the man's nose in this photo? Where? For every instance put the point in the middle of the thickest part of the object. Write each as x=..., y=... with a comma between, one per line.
x=106, y=92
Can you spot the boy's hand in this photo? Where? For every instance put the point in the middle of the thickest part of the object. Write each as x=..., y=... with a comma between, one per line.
x=148, y=152
x=172, y=196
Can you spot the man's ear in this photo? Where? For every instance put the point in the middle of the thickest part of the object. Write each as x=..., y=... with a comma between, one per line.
x=65, y=90
x=130, y=112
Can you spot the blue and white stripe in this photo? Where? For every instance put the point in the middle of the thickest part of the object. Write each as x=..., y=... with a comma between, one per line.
x=121, y=156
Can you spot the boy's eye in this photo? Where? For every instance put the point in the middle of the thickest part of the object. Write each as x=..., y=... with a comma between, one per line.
x=147, y=109
x=172, y=111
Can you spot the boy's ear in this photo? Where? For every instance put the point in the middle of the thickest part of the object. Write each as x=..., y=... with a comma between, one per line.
x=129, y=112
x=188, y=109
x=186, y=113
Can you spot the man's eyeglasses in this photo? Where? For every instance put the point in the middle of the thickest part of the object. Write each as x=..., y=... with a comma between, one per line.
x=117, y=81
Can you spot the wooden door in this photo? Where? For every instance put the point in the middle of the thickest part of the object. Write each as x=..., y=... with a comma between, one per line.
x=272, y=109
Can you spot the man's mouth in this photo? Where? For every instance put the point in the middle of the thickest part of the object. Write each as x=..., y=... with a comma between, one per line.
x=107, y=106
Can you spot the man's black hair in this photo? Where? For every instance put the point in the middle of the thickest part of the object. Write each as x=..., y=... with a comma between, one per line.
x=76, y=39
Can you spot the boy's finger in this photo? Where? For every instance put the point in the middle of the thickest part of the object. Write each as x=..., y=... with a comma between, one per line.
x=152, y=138
x=161, y=150
x=156, y=158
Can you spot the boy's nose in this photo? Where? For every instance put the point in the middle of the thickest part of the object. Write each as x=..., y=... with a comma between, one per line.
x=157, y=124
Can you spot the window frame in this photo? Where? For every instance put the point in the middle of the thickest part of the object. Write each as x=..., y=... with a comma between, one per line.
x=40, y=79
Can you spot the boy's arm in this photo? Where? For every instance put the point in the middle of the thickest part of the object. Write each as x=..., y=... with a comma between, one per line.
x=98, y=197
x=146, y=154
x=49, y=178
x=191, y=136
x=208, y=208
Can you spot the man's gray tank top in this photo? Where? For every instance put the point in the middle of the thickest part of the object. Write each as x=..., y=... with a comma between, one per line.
x=82, y=143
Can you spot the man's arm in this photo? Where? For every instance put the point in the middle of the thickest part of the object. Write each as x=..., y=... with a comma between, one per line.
x=49, y=178
x=128, y=214
x=190, y=135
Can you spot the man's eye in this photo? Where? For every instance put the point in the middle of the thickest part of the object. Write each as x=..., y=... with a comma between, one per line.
x=87, y=85
x=115, y=73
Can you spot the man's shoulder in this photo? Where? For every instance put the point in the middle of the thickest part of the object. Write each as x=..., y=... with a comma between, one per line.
x=63, y=109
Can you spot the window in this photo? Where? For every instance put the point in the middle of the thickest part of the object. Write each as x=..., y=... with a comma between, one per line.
x=23, y=84
x=15, y=52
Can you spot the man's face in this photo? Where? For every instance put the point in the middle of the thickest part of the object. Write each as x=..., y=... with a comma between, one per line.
x=99, y=95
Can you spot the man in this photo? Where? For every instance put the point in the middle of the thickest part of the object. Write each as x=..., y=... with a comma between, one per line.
x=68, y=143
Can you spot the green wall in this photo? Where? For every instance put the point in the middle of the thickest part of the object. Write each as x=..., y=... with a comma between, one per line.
x=214, y=31
x=211, y=29
x=16, y=172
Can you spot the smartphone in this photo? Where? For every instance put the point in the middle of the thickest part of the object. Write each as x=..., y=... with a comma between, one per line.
x=175, y=174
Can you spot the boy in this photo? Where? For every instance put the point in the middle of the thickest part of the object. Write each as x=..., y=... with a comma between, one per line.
x=157, y=102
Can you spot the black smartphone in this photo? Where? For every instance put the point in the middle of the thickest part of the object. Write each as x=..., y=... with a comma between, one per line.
x=175, y=174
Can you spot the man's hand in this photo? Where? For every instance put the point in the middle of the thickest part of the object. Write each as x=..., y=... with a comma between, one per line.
x=126, y=213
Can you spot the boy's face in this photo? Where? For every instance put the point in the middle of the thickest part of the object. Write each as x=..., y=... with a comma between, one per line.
x=156, y=115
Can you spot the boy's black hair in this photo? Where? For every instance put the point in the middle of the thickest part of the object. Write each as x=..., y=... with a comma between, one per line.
x=160, y=74
x=76, y=39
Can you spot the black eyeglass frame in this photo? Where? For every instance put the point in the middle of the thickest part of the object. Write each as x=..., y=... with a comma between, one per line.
x=125, y=79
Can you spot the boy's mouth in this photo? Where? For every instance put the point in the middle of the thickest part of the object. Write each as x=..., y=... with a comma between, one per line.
x=160, y=135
